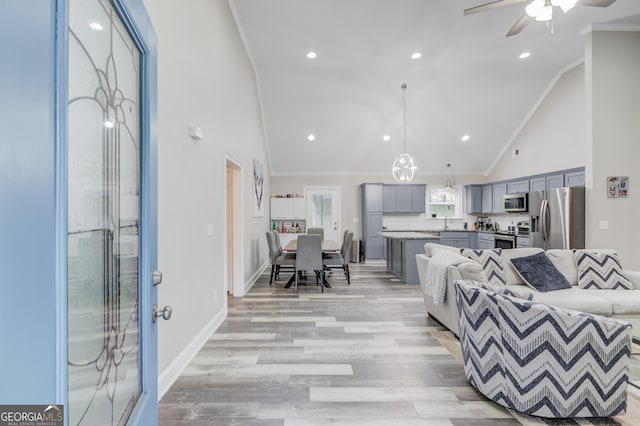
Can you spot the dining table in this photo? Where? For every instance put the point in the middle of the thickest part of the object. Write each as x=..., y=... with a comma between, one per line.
x=327, y=246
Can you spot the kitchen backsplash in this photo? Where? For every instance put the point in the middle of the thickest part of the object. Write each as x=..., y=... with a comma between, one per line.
x=423, y=223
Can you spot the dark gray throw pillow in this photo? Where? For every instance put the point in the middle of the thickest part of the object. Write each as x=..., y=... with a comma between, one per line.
x=538, y=272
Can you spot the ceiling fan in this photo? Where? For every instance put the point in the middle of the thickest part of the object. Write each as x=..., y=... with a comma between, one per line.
x=536, y=10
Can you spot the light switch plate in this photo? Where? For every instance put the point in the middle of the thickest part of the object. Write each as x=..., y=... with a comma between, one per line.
x=210, y=229
x=356, y=220
x=604, y=225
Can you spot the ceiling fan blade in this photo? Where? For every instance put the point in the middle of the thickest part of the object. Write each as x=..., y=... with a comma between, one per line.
x=492, y=5
x=597, y=3
x=519, y=25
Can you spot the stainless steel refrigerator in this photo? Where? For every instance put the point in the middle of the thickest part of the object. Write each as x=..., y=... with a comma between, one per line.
x=556, y=218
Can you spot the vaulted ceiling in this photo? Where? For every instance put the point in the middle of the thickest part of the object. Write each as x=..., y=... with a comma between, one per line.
x=469, y=79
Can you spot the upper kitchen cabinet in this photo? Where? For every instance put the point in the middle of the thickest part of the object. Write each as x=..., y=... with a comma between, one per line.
x=473, y=199
x=518, y=186
x=499, y=191
x=389, y=199
x=574, y=178
x=372, y=197
x=554, y=181
x=403, y=198
x=487, y=199
x=547, y=182
x=288, y=208
x=538, y=184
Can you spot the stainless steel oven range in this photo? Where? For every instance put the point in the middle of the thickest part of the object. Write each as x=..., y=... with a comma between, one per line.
x=505, y=240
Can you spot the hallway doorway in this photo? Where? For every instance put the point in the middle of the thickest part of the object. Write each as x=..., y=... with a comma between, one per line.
x=234, y=282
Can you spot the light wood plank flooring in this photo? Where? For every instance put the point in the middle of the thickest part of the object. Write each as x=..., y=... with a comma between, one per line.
x=364, y=354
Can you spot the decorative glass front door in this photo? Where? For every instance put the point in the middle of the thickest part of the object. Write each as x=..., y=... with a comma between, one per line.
x=104, y=216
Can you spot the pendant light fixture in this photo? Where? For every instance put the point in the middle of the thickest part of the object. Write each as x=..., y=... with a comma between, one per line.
x=404, y=168
x=448, y=187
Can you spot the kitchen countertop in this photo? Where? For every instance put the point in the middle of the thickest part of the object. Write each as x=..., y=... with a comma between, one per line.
x=435, y=232
x=409, y=235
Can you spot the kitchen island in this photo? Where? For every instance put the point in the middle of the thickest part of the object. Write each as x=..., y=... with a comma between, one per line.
x=402, y=248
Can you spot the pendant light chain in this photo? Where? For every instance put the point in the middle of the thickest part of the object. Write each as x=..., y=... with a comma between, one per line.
x=404, y=168
x=404, y=117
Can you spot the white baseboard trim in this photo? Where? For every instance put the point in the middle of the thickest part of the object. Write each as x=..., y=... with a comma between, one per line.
x=255, y=276
x=170, y=374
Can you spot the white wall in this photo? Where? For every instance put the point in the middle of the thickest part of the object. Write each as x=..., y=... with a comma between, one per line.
x=613, y=89
x=205, y=78
x=554, y=138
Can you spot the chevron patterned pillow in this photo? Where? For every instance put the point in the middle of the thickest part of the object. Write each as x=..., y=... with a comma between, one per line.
x=490, y=262
x=600, y=271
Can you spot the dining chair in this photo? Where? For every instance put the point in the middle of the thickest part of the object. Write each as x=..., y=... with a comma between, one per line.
x=340, y=260
x=309, y=258
x=278, y=258
x=316, y=231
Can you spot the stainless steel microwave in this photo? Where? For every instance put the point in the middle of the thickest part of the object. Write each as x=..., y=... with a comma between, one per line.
x=516, y=203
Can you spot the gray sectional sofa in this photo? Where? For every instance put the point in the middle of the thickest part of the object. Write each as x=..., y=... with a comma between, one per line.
x=620, y=304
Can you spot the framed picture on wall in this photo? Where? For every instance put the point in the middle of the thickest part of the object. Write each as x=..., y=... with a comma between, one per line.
x=617, y=186
x=258, y=189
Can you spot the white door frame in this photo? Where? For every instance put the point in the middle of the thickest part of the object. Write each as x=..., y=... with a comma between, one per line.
x=338, y=206
x=237, y=233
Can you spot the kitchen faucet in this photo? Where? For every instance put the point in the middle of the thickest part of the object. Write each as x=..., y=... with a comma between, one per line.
x=445, y=223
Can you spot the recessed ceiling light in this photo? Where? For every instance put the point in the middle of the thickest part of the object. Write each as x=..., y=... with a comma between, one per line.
x=311, y=137
x=524, y=55
x=312, y=55
x=96, y=26
x=465, y=138
x=416, y=55
x=386, y=138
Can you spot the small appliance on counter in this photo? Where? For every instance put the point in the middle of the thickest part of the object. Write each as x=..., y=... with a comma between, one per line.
x=523, y=227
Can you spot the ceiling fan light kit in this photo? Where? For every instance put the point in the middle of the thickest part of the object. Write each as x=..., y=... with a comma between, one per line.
x=539, y=10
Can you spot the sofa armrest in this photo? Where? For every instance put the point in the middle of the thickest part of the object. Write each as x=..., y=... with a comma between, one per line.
x=422, y=261
x=634, y=277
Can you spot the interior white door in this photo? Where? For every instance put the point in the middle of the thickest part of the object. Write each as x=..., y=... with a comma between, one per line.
x=323, y=210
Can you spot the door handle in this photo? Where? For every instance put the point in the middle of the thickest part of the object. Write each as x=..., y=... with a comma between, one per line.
x=165, y=313
x=156, y=277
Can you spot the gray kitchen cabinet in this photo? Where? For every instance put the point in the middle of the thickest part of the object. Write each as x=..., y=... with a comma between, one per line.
x=486, y=241
x=574, y=178
x=547, y=182
x=388, y=199
x=455, y=239
x=372, y=220
x=473, y=240
x=404, y=202
x=499, y=191
x=418, y=194
x=518, y=186
x=403, y=198
x=538, y=184
x=522, y=242
x=555, y=181
x=487, y=199
x=372, y=197
x=473, y=199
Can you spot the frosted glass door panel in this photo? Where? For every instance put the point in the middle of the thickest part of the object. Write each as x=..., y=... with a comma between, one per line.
x=322, y=211
x=103, y=216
